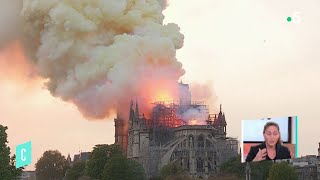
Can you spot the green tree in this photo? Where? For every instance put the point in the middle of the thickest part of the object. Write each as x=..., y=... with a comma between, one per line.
x=260, y=170
x=52, y=165
x=234, y=167
x=76, y=171
x=99, y=157
x=282, y=171
x=171, y=169
x=136, y=169
x=15, y=173
x=119, y=167
x=7, y=163
x=85, y=178
x=223, y=177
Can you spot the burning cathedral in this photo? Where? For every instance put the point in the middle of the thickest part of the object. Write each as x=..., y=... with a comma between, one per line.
x=173, y=135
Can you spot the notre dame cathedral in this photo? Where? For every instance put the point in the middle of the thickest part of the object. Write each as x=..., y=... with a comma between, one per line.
x=166, y=137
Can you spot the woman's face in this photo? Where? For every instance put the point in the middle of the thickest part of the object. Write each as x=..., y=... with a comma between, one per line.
x=271, y=135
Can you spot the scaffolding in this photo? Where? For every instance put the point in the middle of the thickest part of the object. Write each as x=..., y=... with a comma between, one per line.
x=165, y=115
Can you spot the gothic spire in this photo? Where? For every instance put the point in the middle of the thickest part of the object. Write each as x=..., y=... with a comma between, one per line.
x=131, y=115
x=69, y=158
x=137, y=109
x=131, y=105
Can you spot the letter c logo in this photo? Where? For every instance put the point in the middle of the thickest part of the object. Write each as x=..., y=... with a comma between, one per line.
x=23, y=157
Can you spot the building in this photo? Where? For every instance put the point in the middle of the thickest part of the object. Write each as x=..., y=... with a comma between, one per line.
x=307, y=172
x=308, y=167
x=183, y=133
x=82, y=156
x=28, y=175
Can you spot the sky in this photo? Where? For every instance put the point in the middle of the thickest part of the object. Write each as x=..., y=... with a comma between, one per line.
x=259, y=65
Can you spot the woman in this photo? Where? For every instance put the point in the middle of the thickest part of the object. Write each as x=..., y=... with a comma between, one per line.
x=271, y=148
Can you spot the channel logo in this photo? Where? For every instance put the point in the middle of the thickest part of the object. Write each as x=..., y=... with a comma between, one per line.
x=23, y=154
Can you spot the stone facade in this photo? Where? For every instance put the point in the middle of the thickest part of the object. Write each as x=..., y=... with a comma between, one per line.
x=183, y=133
x=198, y=149
x=307, y=167
x=308, y=172
x=28, y=175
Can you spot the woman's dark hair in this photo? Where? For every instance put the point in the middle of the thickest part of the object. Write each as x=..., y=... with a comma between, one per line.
x=268, y=124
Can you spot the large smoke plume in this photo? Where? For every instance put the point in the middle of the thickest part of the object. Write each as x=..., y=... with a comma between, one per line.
x=97, y=54
x=13, y=63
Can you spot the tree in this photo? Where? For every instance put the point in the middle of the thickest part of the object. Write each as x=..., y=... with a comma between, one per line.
x=15, y=172
x=282, y=171
x=119, y=167
x=223, y=177
x=52, y=165
x=7, y=163
x=260, y=170
x=136, y=169
x=171, y=169
x=85, y=178
x=99, y=157
x=76, y=171
x=234, y=167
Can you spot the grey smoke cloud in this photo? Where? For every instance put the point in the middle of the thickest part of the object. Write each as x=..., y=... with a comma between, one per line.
x=10, y=21
x=98, y=54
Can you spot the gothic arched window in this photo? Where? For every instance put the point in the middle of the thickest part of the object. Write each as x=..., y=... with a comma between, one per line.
x=191, y=141
x=208, y=143
x=184, y=143
x=210, y=162
x=200, y=141
x=200, y=165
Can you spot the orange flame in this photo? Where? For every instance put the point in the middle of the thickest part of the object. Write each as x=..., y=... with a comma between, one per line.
x=193, y=122
x=163, y=95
